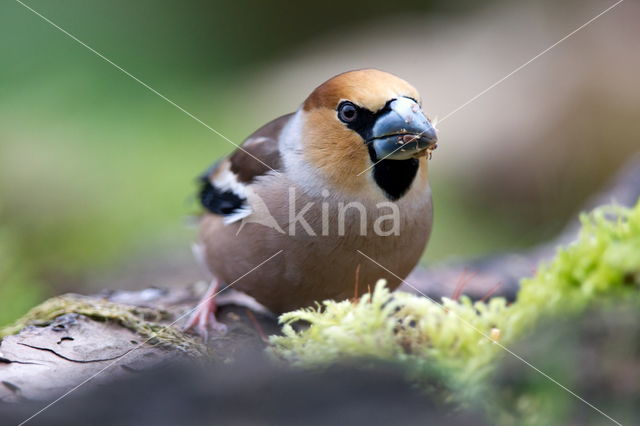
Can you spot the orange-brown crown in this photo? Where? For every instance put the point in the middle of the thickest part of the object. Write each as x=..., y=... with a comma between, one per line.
x=368, y=88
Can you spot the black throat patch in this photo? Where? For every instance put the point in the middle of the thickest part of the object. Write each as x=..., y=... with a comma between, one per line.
x=395, y=177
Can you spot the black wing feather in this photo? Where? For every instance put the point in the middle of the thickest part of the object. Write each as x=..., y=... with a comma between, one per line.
x=217, y=201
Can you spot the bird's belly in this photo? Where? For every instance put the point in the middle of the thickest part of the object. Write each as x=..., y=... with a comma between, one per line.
x=300, y=269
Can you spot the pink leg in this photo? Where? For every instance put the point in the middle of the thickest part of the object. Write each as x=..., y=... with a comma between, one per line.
x=203, y=318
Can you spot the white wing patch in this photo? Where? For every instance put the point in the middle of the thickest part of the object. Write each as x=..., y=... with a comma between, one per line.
x=240, y=214
x=225, y=180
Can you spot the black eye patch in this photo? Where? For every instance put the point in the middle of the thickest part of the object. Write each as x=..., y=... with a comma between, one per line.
x=365, y=119
x=363, y=123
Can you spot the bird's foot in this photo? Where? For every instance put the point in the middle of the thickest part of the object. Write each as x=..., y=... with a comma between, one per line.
x=203, y=319
x=201, y=323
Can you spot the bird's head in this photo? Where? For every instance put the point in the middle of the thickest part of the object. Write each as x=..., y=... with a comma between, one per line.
x=366, y=123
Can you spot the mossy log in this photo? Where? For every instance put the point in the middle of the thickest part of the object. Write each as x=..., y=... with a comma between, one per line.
x=72, y=339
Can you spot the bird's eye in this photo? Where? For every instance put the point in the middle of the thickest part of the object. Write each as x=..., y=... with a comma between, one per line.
x=347, y=112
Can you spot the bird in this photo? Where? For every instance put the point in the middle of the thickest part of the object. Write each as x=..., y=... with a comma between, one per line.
x=320, y=203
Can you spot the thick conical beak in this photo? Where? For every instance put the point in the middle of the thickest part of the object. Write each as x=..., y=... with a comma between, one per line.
x=403, y=132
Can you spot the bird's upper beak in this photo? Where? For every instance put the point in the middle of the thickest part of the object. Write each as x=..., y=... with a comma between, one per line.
x=403, y=132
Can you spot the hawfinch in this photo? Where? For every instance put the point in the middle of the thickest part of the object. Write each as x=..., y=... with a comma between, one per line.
x=292, y=215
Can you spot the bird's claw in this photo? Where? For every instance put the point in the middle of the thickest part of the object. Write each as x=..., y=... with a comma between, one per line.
x=202, y=322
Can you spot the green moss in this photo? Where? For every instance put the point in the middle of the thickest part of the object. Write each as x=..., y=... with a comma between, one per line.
x=395, y=326
x=604, y=262
x=145, y=321
x=458, y=336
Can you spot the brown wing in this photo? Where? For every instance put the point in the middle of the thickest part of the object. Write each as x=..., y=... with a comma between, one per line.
x=222, y=184
x=261, y=145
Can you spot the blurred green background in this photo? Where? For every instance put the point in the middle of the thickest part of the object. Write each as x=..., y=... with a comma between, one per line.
x=97, y=172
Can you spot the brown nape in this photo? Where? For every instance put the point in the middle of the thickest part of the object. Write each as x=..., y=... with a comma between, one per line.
x=369, y=88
